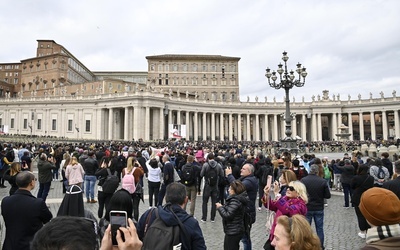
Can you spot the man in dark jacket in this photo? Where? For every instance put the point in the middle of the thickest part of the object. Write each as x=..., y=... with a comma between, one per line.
x=210, y=189
x=348, y=172
x=168, y=178
x=251, y=183
x=90, y=165
x=176, y=199
x=318, y=190
x=23, y=214
x=45, y=167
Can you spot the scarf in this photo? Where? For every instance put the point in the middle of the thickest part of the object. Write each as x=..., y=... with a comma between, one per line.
x=382, y=232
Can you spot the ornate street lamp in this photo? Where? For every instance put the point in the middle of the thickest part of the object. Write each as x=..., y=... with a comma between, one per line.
x=287, y=81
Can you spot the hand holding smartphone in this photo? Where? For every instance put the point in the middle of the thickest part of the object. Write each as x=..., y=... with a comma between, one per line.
x=117, y=219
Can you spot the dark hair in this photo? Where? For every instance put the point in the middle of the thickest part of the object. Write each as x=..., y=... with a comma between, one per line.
x=385, y=155
x=67, y=233
x=24, y=178
x=176, y=193
x=296, y=162
x=122, y=201
x=363, y=169
x=210, y=156
x=153, y=163
x=91, y=153
x=238, y=187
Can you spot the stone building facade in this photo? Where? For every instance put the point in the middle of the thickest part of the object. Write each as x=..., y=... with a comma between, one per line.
x=88, y=106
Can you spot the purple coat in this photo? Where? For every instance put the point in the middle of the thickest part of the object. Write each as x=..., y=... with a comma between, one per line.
x=286, y=206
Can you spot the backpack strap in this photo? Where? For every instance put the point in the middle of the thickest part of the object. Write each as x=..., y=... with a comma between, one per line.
x=181, y=226
x=108, y=171
x=147, y=224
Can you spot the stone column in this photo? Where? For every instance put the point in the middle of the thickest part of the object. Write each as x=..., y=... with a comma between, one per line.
x=266, y=128
x=350, y=122
x=373, y=129
x=361, y=124
x=230, y=129
x=162, y=124
x=314, y=127
x=248, y=131
x=195, y=126
x=239, y=124
x=221, y=127
x=187, y=124
x=334, y=126
x=396, y=123
x=126, y=123
x=204, y=126
x=303, y=127
x=213, y=126
x=147, y=124
x=257, y=134
x=110, y=123
x=319, y=125
x=275, y=128
x=384, y=126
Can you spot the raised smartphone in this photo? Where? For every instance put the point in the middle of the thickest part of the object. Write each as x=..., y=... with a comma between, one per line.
x=117, y=219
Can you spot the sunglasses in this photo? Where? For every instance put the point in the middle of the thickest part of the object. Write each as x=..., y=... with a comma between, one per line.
x=291, y=188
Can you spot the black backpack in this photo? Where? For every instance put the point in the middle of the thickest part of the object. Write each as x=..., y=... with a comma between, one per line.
x=212, y=176
x=111, y=182
x=188, y=175
x=160, y=236
x=381, y=173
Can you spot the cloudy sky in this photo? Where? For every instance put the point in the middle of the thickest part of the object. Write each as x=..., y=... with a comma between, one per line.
x=347, y=46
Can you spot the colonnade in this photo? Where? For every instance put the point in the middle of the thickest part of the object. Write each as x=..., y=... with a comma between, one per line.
x=150, y=123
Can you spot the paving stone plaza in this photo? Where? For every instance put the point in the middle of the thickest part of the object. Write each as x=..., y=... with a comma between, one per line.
x=340, y=224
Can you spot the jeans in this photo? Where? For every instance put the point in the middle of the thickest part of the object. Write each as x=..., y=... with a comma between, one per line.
x=44, y=189
x=319, y=223
x=246, y=240
x=347, y=192
x=90, y=182
x=191, y=193
x=154, y=189
x=213, y=192
x=104, y=199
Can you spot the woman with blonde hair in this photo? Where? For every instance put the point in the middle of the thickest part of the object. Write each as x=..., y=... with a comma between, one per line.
x=294, y=202
x=134, y=168
x=295, y=233
x=10, y=176
x=75, y=173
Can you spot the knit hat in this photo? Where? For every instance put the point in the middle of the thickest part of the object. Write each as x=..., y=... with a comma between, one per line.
x=380, y=206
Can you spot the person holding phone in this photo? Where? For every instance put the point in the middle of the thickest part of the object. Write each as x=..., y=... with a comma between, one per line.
x=120, y=201
x=293, y=202
x=45, y=174
x=232, y=213
x=126, y=238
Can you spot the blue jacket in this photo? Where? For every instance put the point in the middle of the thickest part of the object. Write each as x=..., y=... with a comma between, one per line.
x=251, y=184
x=192, y=225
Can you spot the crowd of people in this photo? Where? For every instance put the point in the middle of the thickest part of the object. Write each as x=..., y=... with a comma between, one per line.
x=240, y=178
